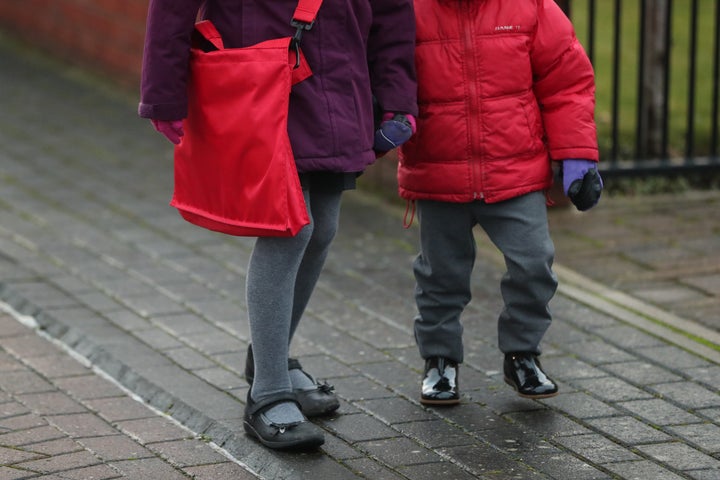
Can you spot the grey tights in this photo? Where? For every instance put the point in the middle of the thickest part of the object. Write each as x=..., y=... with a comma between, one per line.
x=281, y=277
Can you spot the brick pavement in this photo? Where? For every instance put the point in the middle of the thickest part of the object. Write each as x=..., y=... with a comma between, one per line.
x=61, y=420
x=90, y=250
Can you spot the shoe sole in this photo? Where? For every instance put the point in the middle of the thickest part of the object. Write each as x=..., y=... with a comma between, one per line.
x=296, y=445
x=531, y=397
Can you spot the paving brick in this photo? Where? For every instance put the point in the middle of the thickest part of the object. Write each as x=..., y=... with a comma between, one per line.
x=436, y=433
x=220, y=471
x=11, y=456
x=96, y=472
x=627, y=337
x=596, y=448
x=611, y=389
x=156, y=429
x=680, y=457
x=54, y=366
x=7, y=473
x=12, y=409
x=568, y=368
x=54, y=447
x=642, y=469
x=561, y=464
x=360, y=388
x=704, y=436
x=21, y=422
x=688, y=395
x=189, y=358
x=395, y=410
x=433, y=471
x=670, y=355
x=148, y=468
x=484, y=461
x=599, y=352
x=187, y=452
x=51, y=403
x=642, y=373
x=367, y=468
x=580, y=405
x=81, y=425
x=88, y=387
x=114, y=409
x=548, y=423
x=628, y=430
x=115, y=447
x=358, y=428
x=398, y=451
x=58, y=463
x=41, y=433
x=221, y=378
x=660, y=412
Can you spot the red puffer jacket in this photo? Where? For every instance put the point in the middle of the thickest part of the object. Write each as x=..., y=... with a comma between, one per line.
x=503, y=88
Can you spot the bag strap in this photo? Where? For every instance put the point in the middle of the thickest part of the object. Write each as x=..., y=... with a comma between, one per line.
x=304, y=18
x=306, y=11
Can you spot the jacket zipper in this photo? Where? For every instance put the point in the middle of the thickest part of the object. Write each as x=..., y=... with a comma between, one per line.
x=473, y=120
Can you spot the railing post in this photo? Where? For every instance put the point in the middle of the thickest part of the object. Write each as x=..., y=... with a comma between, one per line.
x=655, y=62
x=565, y=5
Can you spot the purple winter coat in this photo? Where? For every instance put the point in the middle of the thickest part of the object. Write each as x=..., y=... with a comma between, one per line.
x=356, y=48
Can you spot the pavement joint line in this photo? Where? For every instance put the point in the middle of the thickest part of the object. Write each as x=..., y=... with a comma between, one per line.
x=30, y=322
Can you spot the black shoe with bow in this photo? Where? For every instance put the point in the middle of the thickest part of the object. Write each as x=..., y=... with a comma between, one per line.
x=314, y=402
x=524, y=373
x=291, y=436
x=440, y=382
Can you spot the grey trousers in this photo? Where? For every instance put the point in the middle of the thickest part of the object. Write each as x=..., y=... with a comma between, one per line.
x=519, y=229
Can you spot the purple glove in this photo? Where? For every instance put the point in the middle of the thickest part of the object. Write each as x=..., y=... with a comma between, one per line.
x=172, y=129
x=394, y=130
x=581, y=183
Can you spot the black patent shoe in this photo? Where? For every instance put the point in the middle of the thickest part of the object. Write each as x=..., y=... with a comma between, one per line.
x=524, y=373
x=440, y=382
x=285, y=436
x=314, y=402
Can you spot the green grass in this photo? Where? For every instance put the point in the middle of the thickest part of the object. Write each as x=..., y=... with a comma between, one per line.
x=628, y=81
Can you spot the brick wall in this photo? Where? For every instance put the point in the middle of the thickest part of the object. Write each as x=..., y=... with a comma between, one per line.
x=104, y=35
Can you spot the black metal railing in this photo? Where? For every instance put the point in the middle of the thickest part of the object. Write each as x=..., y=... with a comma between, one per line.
x=651, y=41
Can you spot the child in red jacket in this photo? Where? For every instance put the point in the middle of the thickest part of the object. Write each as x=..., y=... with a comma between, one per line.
x=504, y=88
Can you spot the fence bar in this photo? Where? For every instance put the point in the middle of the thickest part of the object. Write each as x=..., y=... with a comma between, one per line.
x=616, y=81
x=692, y=74
x=640, y=137
x=591, y=31
x=716, y=86
x=666, y=93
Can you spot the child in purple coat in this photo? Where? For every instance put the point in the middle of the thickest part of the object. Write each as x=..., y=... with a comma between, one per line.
x=357, y=49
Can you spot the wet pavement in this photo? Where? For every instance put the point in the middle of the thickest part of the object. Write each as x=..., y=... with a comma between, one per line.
x=124, y=333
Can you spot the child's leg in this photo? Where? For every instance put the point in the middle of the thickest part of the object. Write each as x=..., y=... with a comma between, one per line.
x=519, y=228
x=442, y=272
x=272, y=274
x=325, y=208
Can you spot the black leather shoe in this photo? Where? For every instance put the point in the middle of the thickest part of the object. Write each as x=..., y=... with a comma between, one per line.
x=440, y=382
x=524, y=373
x=314, y=402
x=287, y=436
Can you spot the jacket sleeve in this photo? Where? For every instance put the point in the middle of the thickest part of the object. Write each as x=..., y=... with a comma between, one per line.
x=166, y=54
x=564, y=85
x=391, y=55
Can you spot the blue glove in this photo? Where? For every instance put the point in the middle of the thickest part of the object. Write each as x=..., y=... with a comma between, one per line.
x=582, y=183
x=394, y=130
